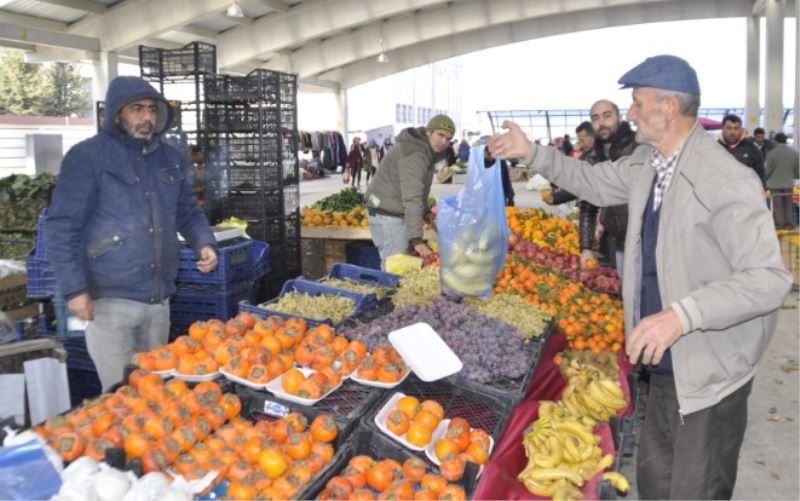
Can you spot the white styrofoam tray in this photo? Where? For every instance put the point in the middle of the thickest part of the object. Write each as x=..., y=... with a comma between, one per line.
x=276, y=388
x=242, y=381
x=439, y=433
x=425, y=352
x=380, y=422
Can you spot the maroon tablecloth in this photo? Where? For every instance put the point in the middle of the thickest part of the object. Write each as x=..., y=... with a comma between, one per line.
x=499, y=479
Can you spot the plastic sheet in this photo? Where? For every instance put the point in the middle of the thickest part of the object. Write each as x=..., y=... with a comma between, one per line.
x=26, y=473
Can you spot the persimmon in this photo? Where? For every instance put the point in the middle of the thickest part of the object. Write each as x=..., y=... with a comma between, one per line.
x=241, y=490
x=409, y=406
x=291, y=381
x=413, y=469
x=235, y=327
x=361, y=463
x=258, y=374
x=331, y=375
x=397, y=422
x=304, y=354
x=231, y=404
x=135, y=445
x=380, y=476
x=273, y=463
x=427, y=418
x=389, y=373
x=339, y=488
x=287, y=489
x=201, y=426
x=425, y=495
x=362, y=495
x=453, y=492
x=315, y=461
x=261, y=327
x=239, y=470
x=215, y=415
x=434, y=483
x=418, y=434
x=276, y=367
x=184, y=436
x=368, y=369
x=339, y=344
x=477, y=453
x=198, y=330
x=434, y=408
x=96, y=449
x=356, y=478
x=298, y=446
x=452, y=467
x=323, y=450
x=480, y=436
x=279, y=431
x=310, y=389
x=324, y=428
x=270, y=342
x=158, y=428
x=247, y=319
x=299, y=473
x=251, y=450
x=102, y=422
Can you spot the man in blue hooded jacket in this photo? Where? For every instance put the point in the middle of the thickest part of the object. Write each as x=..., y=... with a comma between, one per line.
x=111, y=232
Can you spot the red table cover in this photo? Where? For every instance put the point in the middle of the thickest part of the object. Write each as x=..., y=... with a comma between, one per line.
x=499, y=478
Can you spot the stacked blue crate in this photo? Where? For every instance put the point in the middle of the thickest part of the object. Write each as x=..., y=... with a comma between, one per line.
x=201, y=296
x=41, y=277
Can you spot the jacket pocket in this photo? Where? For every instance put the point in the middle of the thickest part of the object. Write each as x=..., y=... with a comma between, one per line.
x=104, y=245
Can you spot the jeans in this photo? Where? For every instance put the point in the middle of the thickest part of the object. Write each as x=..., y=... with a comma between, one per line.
x=120, y=329
x=389, y=236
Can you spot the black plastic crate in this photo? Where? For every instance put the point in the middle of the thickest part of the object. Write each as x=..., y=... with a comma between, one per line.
x=510, y=390
x=346, y=405
x=253, y=206
x=196, y=57
x=258, y=85
x=373, y=443
x=276, y=229
x=241, y=118
x=255, y=178
x=482, y=410
x=234, y=149
x=285, y=256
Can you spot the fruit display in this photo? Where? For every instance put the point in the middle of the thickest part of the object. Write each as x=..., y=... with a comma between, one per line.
x=529, y=320
x=460, y=440
x=310, y=386
x=417, y=287
x=356, y=218
x=367, y=478
x=562, y=451
x=595, y=277
x=352, y=285
x=413, y=421
x=589, y=320
x=383, y=365
x=489, y=349
x=321, y=307
x=536, y=226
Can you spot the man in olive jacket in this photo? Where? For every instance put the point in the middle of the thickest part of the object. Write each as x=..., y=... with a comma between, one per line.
x=703, y=277
x=397, y=197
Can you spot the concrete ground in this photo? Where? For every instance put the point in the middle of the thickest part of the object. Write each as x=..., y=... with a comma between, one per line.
x=769, y=463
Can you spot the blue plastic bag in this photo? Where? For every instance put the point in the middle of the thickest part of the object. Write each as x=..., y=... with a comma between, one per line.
x=473, y=232
x=26, y=473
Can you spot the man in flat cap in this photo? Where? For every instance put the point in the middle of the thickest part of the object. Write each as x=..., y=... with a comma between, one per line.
x=397, y=197
x=703, y=277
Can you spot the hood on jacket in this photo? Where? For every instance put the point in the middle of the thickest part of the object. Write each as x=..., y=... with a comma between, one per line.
x=417, y=136
x=124, y=90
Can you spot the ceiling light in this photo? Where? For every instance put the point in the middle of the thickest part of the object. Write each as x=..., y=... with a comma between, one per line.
x=234, y=10
x=382, y=56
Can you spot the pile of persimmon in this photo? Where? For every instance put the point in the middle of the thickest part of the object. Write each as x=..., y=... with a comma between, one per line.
x=321, y=348
x=461, y=443
x=414, y=421
x=365, y=478
x=151, y=419
x=314, y=386
x=384, y=365
x=271, y=459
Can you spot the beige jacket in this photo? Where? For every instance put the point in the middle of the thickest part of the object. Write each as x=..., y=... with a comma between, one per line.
x=718, y=259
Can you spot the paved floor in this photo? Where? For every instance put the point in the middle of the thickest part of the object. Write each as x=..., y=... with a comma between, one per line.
x=769, y=464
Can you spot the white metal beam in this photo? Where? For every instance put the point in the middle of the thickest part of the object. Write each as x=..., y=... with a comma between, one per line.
x=278, y=5
x=758, y=7
x=130, y=22
x=244, y=20
x=31, y=21
x=310, y=20
x=198, y=31
x=457, y=44
x=84, y=5
x=8, y=44
x=51, y=38
x=58, y=54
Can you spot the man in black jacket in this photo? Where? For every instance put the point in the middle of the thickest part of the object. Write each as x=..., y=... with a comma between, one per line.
x=614, y=140
x=764, y=144
x=740, y=146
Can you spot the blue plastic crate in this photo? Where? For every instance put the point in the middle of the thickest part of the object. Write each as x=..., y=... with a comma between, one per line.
x=201, y=302
x=313, y=289
x=259, y=259
x=233, y=264
x=40, y=249
x=78, y=354
x=41, y=277
x=366, y=256
x=364, y=275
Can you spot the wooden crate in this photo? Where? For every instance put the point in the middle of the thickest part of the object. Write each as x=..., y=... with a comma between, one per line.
x=791, y=259
x=312, y=256
x=335, y=252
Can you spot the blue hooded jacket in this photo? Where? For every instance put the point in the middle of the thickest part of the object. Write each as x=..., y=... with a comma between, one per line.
x=118, y=205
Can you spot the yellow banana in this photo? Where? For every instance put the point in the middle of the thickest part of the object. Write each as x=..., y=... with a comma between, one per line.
x=587, y=450
x=546, y=409
x=618, y=481
x=577, y=429
x=606, y=398
x=571, y=448
x=554, y=458
x=589, y=422
x=567, y=493
x=590, y=403
x=545, y=489
x=606, y=461
x=544, y=474
x=612, y=387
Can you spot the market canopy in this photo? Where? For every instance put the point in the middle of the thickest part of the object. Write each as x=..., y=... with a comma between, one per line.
x=328, y=43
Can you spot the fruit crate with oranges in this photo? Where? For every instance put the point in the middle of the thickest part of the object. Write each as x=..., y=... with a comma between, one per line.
x=479, y=408
x=384, y=466
x=347, y=405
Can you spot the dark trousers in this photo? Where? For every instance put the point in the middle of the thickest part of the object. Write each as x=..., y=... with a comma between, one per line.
x=692, y=458
x=782, y=208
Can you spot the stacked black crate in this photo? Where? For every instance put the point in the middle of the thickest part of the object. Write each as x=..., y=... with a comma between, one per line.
x=179, y=74
x=251, y=140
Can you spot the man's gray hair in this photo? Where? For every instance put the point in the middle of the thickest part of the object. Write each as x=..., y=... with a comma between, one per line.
x=690, y=103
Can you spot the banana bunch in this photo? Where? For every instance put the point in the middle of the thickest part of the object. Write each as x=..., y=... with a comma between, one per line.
x=563, y=454
x=598, y=398
x=578, y=362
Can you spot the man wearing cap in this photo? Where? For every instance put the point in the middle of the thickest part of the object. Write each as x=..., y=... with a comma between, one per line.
x=397, y=197
x=703, y=277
